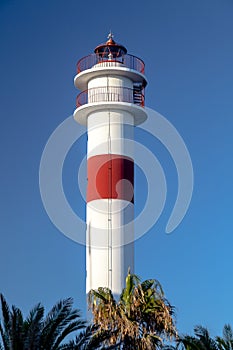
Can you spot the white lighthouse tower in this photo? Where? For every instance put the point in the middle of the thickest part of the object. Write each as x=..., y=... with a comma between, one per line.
x=110, y=104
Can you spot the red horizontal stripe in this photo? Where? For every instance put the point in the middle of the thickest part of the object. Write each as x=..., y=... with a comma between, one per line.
x=110, y=176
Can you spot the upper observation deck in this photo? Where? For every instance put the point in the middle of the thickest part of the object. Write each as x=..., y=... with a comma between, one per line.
x=109, y=58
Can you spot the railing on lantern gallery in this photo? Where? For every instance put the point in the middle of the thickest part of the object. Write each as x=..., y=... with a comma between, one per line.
x=111, y=94
x=128, y=61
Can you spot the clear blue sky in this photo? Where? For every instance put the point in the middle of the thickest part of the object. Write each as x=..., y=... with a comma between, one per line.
x=188, y=52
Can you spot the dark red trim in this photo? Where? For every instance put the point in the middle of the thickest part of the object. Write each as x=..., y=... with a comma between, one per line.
x=105, y=173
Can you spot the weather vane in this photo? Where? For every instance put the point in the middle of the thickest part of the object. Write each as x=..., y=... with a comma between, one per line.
x=110, y=35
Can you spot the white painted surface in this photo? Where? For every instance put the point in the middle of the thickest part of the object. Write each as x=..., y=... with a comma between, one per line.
x=110, y=116
x=82, y=113
x=108, y=256
x=81, y=80
x=109, y=221
x=106, y=81
x=108, y=132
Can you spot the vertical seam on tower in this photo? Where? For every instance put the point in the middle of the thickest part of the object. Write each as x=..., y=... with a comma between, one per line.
x=109, y=202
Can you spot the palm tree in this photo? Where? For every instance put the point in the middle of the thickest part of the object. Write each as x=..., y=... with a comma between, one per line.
x=200, y=341
x=141, y=319
x=37, y=332
x=89, y=339
x=226, y=341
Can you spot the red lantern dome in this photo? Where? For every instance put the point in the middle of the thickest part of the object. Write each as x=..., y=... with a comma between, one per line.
x=110, y=50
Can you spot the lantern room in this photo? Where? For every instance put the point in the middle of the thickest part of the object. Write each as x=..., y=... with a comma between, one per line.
x=110, y=51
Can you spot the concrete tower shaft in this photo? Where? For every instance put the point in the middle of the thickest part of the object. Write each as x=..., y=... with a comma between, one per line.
x=110, y=105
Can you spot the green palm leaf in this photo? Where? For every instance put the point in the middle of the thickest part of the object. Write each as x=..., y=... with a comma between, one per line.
x=5, y=328
x=139, y=320
x=17, y=336
x=35, y=332
x=226, y=341
x=60, y=317
x=32, y=327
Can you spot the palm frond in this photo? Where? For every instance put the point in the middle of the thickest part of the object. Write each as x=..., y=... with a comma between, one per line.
x=131, y=281
x=6, y=319
x=153, y=284
x=227, y=333
x=5, y=339
x=101, y=294
x=71, y=327
x=201, y=332
x=222, y=344
x=17, y=335
x=56, y=321
x=189, y=342
x=89, y=339
x=33, y=327
x=226, y=341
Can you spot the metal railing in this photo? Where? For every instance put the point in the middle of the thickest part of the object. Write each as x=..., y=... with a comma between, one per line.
x=110, y=94
x=128, y=61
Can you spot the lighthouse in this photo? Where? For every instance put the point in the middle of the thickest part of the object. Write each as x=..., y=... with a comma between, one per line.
x=110, y=104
